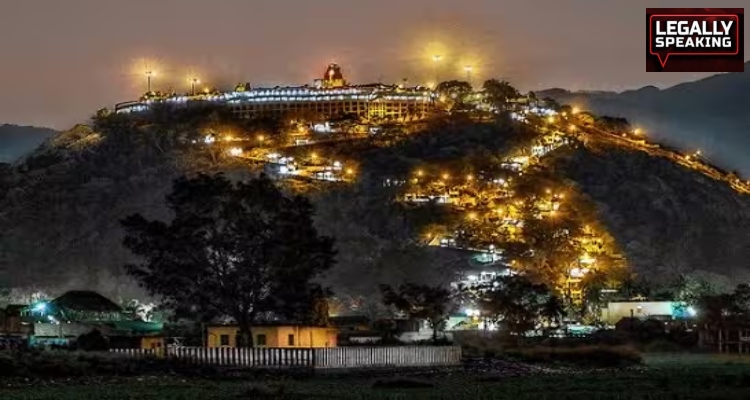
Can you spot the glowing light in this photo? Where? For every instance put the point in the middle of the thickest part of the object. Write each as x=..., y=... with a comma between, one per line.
x=235, y=151
x=437, y=57
x=420, y=173
x=209, y=139
x=472, y=215
x=469, y=312
x=469, y=177
x=349, y=171
x=575, y=110
x=261, y=138
x=446, y=176
x=313, y=155
x=468, y=68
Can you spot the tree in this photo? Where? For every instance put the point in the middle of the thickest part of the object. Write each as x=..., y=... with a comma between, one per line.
x=420, y=301
x=613, y=124
x=242, y=250
x=499, y=92
x=454, y=93
x=520, y=303
x=552, y=103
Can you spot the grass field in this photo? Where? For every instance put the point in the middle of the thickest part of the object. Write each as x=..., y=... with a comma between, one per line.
x=665, y=377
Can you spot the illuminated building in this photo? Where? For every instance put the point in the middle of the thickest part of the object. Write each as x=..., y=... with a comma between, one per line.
x=328, y=97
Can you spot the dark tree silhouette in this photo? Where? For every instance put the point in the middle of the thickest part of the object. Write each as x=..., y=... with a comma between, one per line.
x=433, y=303
x=499, y=92
x=520, y=303
x=454, y=93
x=241, y=250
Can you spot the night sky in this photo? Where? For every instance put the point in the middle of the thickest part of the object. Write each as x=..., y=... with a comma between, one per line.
x=62, y=60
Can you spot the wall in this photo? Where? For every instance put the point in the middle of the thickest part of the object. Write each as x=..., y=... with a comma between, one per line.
x=277, y=336
x=67, y=329
x=616, y=311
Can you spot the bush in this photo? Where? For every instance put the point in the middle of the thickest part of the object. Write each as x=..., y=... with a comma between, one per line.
x=92, y=341
x=51, y=364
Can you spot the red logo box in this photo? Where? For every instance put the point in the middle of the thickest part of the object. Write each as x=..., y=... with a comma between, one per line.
x=695, y=40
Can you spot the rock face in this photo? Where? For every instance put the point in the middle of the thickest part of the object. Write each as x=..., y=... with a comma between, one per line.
x=710, y=114
x=668, y=219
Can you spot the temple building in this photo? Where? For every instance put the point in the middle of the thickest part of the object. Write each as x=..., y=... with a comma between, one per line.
x=329, y=97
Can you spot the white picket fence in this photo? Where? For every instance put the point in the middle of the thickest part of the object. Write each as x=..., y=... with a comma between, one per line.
x=320, y=358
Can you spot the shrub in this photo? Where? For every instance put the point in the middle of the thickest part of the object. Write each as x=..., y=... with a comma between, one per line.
x=51, y=364
x=92, y=341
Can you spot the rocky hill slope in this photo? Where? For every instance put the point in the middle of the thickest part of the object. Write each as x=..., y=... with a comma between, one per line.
x=60, y=209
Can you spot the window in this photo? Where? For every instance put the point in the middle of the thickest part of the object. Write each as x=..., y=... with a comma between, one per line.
x=290, y=340
x=260, y=340
x=224, y=340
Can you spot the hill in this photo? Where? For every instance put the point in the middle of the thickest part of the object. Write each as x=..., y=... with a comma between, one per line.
x=709, y=114
x=16, y=141
x=62, y=205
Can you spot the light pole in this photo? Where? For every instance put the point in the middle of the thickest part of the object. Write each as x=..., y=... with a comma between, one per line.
x=436, y=60
x=468, y=69
x=149, y=74
x=193, y=82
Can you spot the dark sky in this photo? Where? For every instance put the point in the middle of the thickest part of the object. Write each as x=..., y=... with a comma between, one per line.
x=61, y=60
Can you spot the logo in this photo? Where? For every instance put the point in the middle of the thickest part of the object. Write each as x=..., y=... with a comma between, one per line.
x=695, y=40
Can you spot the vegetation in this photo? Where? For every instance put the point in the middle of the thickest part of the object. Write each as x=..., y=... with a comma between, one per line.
x=79, y=185
x=520, y=304
x=433, y=304
x=243, y=250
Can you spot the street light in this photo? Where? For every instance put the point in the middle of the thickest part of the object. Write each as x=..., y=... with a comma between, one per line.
x=193, y=82
x=149, y=74
x=261, y=138
x=436, y=59
x=468, y=69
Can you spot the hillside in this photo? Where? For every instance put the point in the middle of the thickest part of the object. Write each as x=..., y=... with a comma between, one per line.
x=709, y=114
x=668, y=220
x=16, y=141
x=61, y=207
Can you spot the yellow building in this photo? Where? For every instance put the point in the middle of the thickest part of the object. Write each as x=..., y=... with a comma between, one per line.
x=274, y=336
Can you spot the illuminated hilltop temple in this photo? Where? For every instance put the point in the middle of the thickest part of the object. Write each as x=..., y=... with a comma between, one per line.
x=328, y=97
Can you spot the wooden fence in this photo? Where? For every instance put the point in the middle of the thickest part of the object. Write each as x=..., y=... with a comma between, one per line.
x=320, y=358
